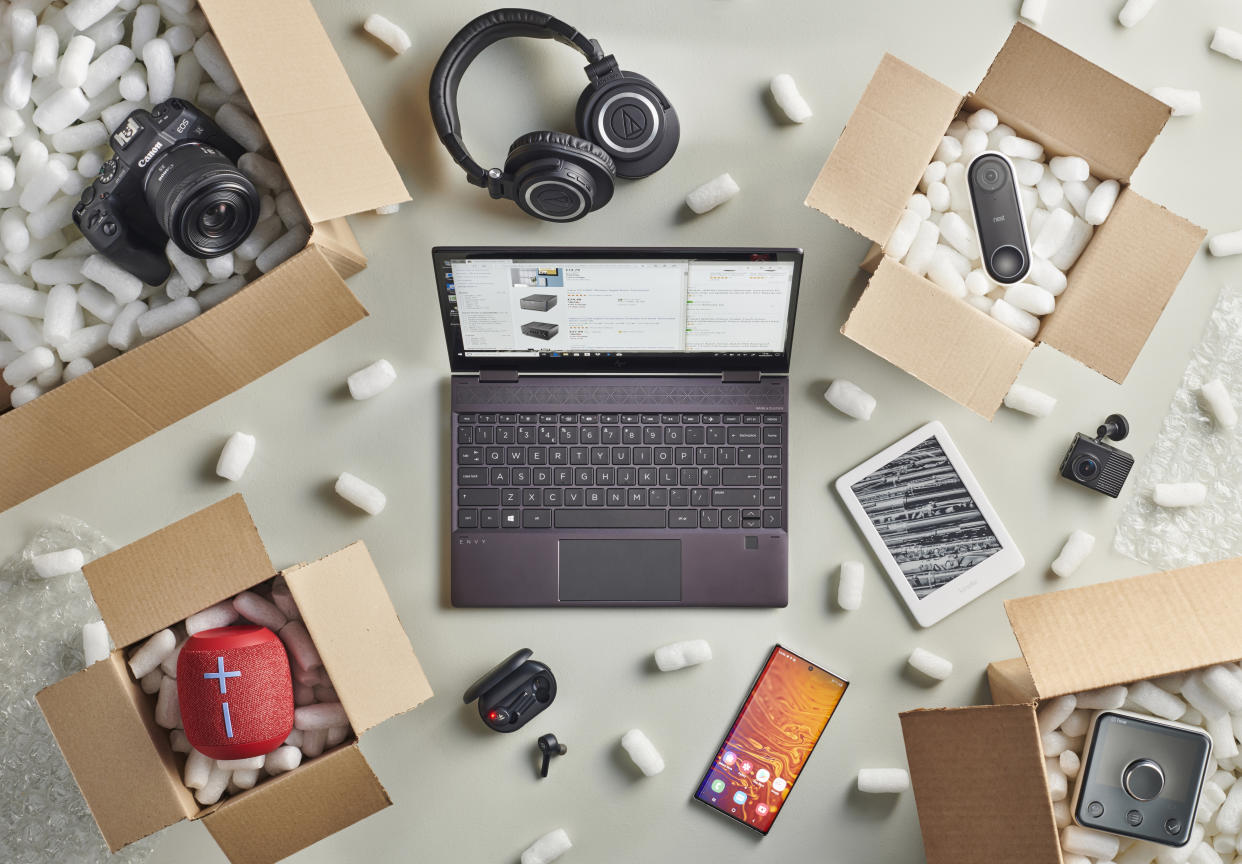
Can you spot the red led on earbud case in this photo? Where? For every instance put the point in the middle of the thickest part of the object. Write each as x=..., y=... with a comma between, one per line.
x=235, y=691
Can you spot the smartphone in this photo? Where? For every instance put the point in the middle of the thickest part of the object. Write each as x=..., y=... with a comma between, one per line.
x=770, y=740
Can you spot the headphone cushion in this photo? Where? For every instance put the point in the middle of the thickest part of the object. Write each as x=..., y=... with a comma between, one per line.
x=567, y=142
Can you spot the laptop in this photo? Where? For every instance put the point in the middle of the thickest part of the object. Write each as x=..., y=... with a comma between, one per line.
x=620, y=431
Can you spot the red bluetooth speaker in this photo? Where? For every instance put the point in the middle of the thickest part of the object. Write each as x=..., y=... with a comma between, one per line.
x=235, y=691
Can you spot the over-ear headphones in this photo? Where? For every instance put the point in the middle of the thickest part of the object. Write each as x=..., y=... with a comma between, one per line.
x=626, y=126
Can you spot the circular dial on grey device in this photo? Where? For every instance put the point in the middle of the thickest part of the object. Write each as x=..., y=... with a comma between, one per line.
x=1143, y=779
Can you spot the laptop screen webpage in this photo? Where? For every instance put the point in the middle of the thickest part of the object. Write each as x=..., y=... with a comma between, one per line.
x=618, y=309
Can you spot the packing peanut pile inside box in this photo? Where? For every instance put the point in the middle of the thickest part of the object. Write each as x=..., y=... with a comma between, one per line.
x=1063, y=203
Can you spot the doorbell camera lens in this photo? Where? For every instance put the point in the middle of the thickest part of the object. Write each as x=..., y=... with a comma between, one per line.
x=999, y=220
x=988, y=175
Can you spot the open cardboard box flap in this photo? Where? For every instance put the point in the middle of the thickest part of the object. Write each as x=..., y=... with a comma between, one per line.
x=1076, y=107
x=349, y=615
x=978, y=776
x=884, y=149
x=157, y=581
x=965, y=354
x=277, y=317
x=329, y=793
x=311, y=113
x=100, y=720
x=179, y=570
x=1121, y=284
x=1130, y=629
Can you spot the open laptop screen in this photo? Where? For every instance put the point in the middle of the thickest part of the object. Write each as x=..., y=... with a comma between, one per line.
x=619, y=310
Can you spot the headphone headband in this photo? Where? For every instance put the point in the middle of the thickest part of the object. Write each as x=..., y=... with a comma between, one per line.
x=483, y=31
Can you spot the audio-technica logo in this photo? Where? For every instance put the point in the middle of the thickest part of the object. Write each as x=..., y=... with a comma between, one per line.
x=629, y=122
x=554, y=199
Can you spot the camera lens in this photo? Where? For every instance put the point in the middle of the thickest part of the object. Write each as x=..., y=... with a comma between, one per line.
x=201, y=200
x=1086, y=467
x=990, y=173
x=217, y=219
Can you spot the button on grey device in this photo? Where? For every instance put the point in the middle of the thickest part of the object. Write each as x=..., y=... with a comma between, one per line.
x=1134, y=818
x=1143, y=779
x=1095, y=809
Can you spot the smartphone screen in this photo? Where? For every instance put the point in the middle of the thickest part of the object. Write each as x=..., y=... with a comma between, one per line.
x=767, y=747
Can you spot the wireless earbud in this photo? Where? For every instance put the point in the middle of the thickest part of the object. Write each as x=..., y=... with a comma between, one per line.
x=549, y=746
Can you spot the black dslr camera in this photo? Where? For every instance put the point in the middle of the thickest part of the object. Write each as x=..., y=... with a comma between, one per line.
x=173, y=173
x=1097, y=465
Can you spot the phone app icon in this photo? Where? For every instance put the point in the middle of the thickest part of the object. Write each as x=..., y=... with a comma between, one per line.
x=718, y=786
x=745, y=766
x=762, y=775
x=762, y=809
x=739, y=797
x=730, y=757
x=779, y=784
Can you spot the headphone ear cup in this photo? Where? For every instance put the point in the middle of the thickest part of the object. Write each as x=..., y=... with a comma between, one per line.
x=559, y=177
x=630, y=119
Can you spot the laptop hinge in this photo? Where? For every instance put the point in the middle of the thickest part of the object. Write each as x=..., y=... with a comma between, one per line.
x=498, y=376
x=741, y=377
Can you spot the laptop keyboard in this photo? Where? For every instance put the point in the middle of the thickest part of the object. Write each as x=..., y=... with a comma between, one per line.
x=700, y=471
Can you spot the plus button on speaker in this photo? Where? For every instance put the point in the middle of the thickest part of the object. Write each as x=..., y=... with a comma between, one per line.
x=236, y=692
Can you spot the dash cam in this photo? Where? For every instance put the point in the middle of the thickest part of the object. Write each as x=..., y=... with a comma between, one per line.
x=999, y=220
x=515, y=690
x=1093, y=463
x=1141, y=777
x=173, y=174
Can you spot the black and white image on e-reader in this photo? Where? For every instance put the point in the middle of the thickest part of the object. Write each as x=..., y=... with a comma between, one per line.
x=926, y=517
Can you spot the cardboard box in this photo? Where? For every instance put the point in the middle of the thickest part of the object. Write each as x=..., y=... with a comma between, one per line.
x=978, y=773
x=123, y=762
x=1049, y=94
x=336, y=166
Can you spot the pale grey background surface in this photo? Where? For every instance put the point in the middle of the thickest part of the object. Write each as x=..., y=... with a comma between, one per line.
x=464, y=794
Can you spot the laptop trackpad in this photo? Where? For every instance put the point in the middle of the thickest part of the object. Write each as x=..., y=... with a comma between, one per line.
x=601, y=571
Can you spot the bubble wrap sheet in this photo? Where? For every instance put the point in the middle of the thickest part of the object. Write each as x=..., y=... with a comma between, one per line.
x=43, y=817
x=1191, y=447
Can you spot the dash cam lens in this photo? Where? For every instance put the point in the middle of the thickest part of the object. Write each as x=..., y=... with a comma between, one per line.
x=990, y=174
x=1007, y=262
x=1086, y=467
